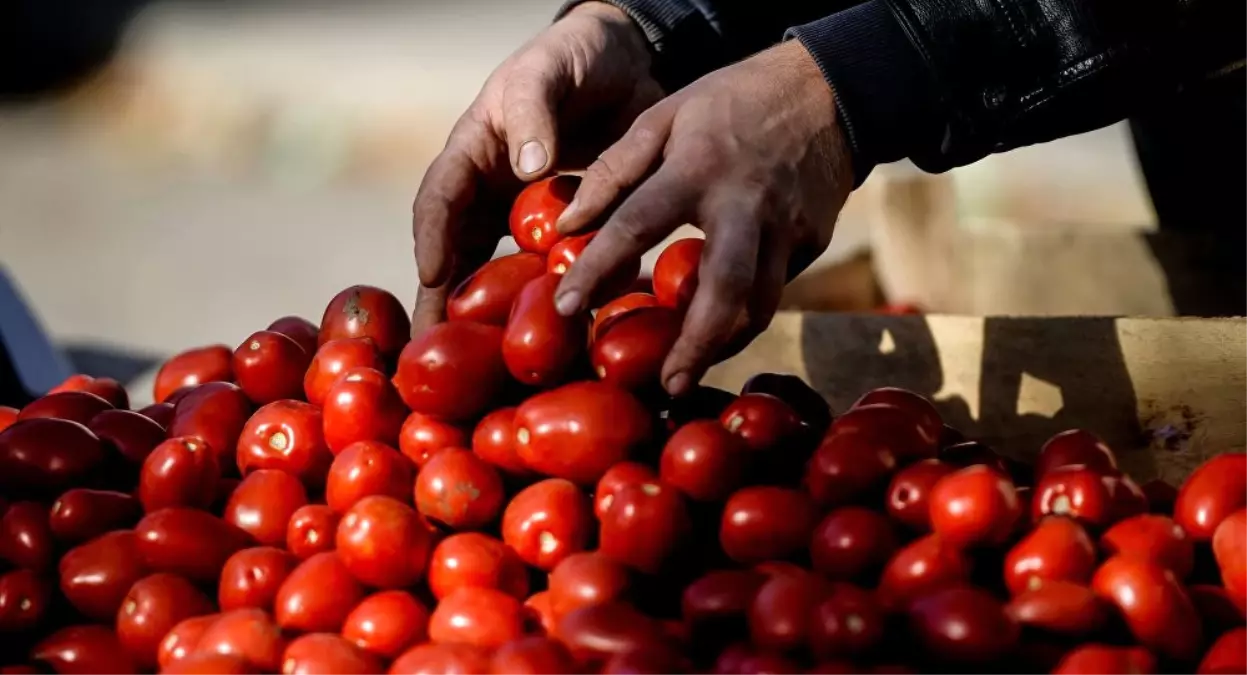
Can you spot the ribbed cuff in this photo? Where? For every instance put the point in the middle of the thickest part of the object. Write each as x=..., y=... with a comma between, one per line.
x=883, y=94
x=685, y=45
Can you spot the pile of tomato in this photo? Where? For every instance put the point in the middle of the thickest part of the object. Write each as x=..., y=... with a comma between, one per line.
x=512, y=492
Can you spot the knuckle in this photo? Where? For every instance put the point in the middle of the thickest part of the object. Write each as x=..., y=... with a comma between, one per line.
x=601, y=174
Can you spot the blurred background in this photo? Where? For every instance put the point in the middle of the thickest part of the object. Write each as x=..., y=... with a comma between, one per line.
x=179, y=173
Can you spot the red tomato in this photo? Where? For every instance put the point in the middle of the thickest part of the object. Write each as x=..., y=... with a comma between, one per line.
x=318, y=595
x=423, y=436
x=629, y=352
x=81, y=514
x=547, y=521
x=925, y=565
x=900, y=430
x=160, y=413
x=1227, y=655
x=963, y=625
x=334, y=358
x=83, y=649
x=848, y=622
x=303, y=332
x=596, y=633
x=974, y=506
x=1229, y=547
x=617, y=308
x=190, y=543
x=1153, y=603
x=209, y=664
x=909, y=494
x=1059, y=607
x=269, y=366
x=384, y=542
x=387, y=623
x=154, y=605
x=95, y=576
x=762, y=421
x=459, y=489
x=723, y=594
x=539, y=345
x=1076, y=492
x=263, y=504
x=675, y=272
x=847, y=468
x=921, y=409
x=24, y=599
x=852, y=542
x=580, y=430
x=488, y=294
x=435, y=659
x=619, y=475
x=494, y=441
x=1094, y=659
x=366, y=312
x=252, y=576
x=181, y=471
x=288, y=436
x=249, y=634
x=765, y=523
x=7, y=417
x=26, y=539
x=453, y=371
x=537, y=209
x=364, y=469
x=644, y=526
x=810, y=406
x=533, y=656
x=540, y=613
x=215, y=412
x=75, y=406
x=191, y=368
x=568, y=250
x=326, y=654
x=362, y=406
x=312, y=529
x=783, y=609
x=1075, y=447
x=181, y=641
x=105, y=387
x=131, y=435
x=585, y=579
x=742, y=659
x=1155, y=538
x=47, y=456
x=474, y=559
x=704, y=461
x=480, y=617
x=1213, y=491
x=1057, y=549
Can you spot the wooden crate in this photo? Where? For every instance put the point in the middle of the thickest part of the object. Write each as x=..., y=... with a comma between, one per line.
x=1164, y=393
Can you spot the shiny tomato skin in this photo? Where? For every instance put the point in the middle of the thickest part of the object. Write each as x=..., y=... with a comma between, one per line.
x=334, y=358
x=75, y=406
x=441, y=659
x=1213, y=491
x=539, y=345
x=580, y=430
x=585, y=579
x=494, y=441
x=459, y=489
x=312, y=529
x=367, y=468
x=532, y=656
x=454, y=371
x=1092, y=659
x=847, y=468
x=263, y=503
x=810, y=406
x=645, y=526
x=303, y=332
x=675, y=272
x=45, y=457
x=269, y=366
x=963, y=625
x=318, y=595
x=925, y=565
x=26, y=539
x=96, y=576
x=288, y=436
x=132, y=435
x=920, y=408
x=81, y=514
x=1229, y=548
x=154, y=605
x=480, y=617
x=366, y=312
x=540, y=614
x=252, y=577
x=974, y=506
x=762, y=421
x=909, y=493
x=25, y=596
x=487, y=296
x=423, y=436
x=362, y=406
x=1059, y=607
x=83, y=649
x=536, y=210
x=1154, y=605
x=846, y=623
x=105, y=387
x=387, y=623
x=191, y=368
x=565, y=253
x=619, y=475
x=209, y=664
x=741, y=659
x=782, y=611
x=629, y=352
x=594, y=634
x=181, y=640
x=1228, y=654
x=720, y=594
x=182, y=471
x=765, y=523
x=8, y=416
x=1151, y=537
x=475, y=559
x=326, y=654
x=704, y=461
x=852, y=542
x=194, y=544
x=215, y=412
x=1075, y=492
x=547, y=521
x=384, y=543
x=249, y=634
x=896, y=429
x=617, y=308
x=1075, y=446
x=1057, y=549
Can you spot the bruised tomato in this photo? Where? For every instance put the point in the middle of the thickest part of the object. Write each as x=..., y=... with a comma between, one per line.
x=454, y=371
x=487, y=295
x=536, y=210
x=366, y=311
x=334, y=358
x=459, y=489
x=191, y=368
x=580, y=430
x=539, y=345
x=675, y=272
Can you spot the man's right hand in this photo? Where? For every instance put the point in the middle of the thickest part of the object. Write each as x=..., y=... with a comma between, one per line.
x=558, y=101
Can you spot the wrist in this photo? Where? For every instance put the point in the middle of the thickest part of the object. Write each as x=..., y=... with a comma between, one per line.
x=618, y=24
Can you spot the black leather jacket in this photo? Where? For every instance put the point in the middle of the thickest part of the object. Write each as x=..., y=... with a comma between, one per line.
x=946, y=82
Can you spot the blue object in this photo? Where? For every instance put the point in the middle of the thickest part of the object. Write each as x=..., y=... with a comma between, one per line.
x=29, y=363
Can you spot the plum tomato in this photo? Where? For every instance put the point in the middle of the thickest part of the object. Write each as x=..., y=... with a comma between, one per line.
x=536, y=210
x=1075, y=447
x=1090, y=659
x=494, y=440
x=762, y=421
x=384, y=542
x=475, y=559
x=105, y=387
x=432, y=659
x=269, y=367
x=191, y=543
x=181, y=640
x=83, y=649
x=739, y=659
x=362, y=406
x=720, y=595
x=620, y=281
x=1126, y=496
x=1155, y=538
x=1213, y=491
x=45, y=457
x=387, y=623
x=585, y=579
x=263, y=504
x=766, y=523
x=154, y=605
x=181, y=471
x=25, y=596
x=487, y=295
x=318, y=595
x=191, y=368
x=160, y=413
x=81, y=514
x=533, y=655
x=75, y=406
x=423, y=436
x=547, y=521
x=974, y=506
x=1228, y=654
x=847, y=468
x=540, y=613
x=909, y=493
x=249, y=634
x=810, y=406
x=215, y=412
x=1154, y=605
x=1229, y=548
x=539, y=345
x=8, y=416
x=334, y=358
x=252, y=576
x=326, y=654
x=851, y=543
x=366, y=312
x=895, y=428
x=917, y=406
x=1059, y=607
x=580, y=430
x=288, y=436
x=303, y=332
x=1057, y=549
x=459, y=489
x=1076, y=492
x=644, y=526
x=619, y=475
x=618, y=307
x=594, y=634
x=704, y=461
x=26, y=539
x=480, y=617
x=630, y=351
x=963, y=624
x=96, y=576
x=454, y=371
x=848, y=622
x=364, y=469
x=675, y=272
x=312, y=529
x=129, y=434
x=783, y=609
x=925, y=565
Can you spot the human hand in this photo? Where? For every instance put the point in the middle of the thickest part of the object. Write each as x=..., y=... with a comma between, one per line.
x=753, y=155
x=575, y=87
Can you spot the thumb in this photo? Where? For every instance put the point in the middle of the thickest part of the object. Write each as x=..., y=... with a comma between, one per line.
x=529, y=103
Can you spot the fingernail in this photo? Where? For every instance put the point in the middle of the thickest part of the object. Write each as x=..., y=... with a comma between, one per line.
x=561, y=223
x=567, y=303
x=677, y=384
x=533, y=157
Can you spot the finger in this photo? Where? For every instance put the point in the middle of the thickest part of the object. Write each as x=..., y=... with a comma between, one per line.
x=765, y=296
x=529, y=102
x=617, y=169
x=657, y=207
x=725, y=278
x=447, y=190
x=431, y=300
